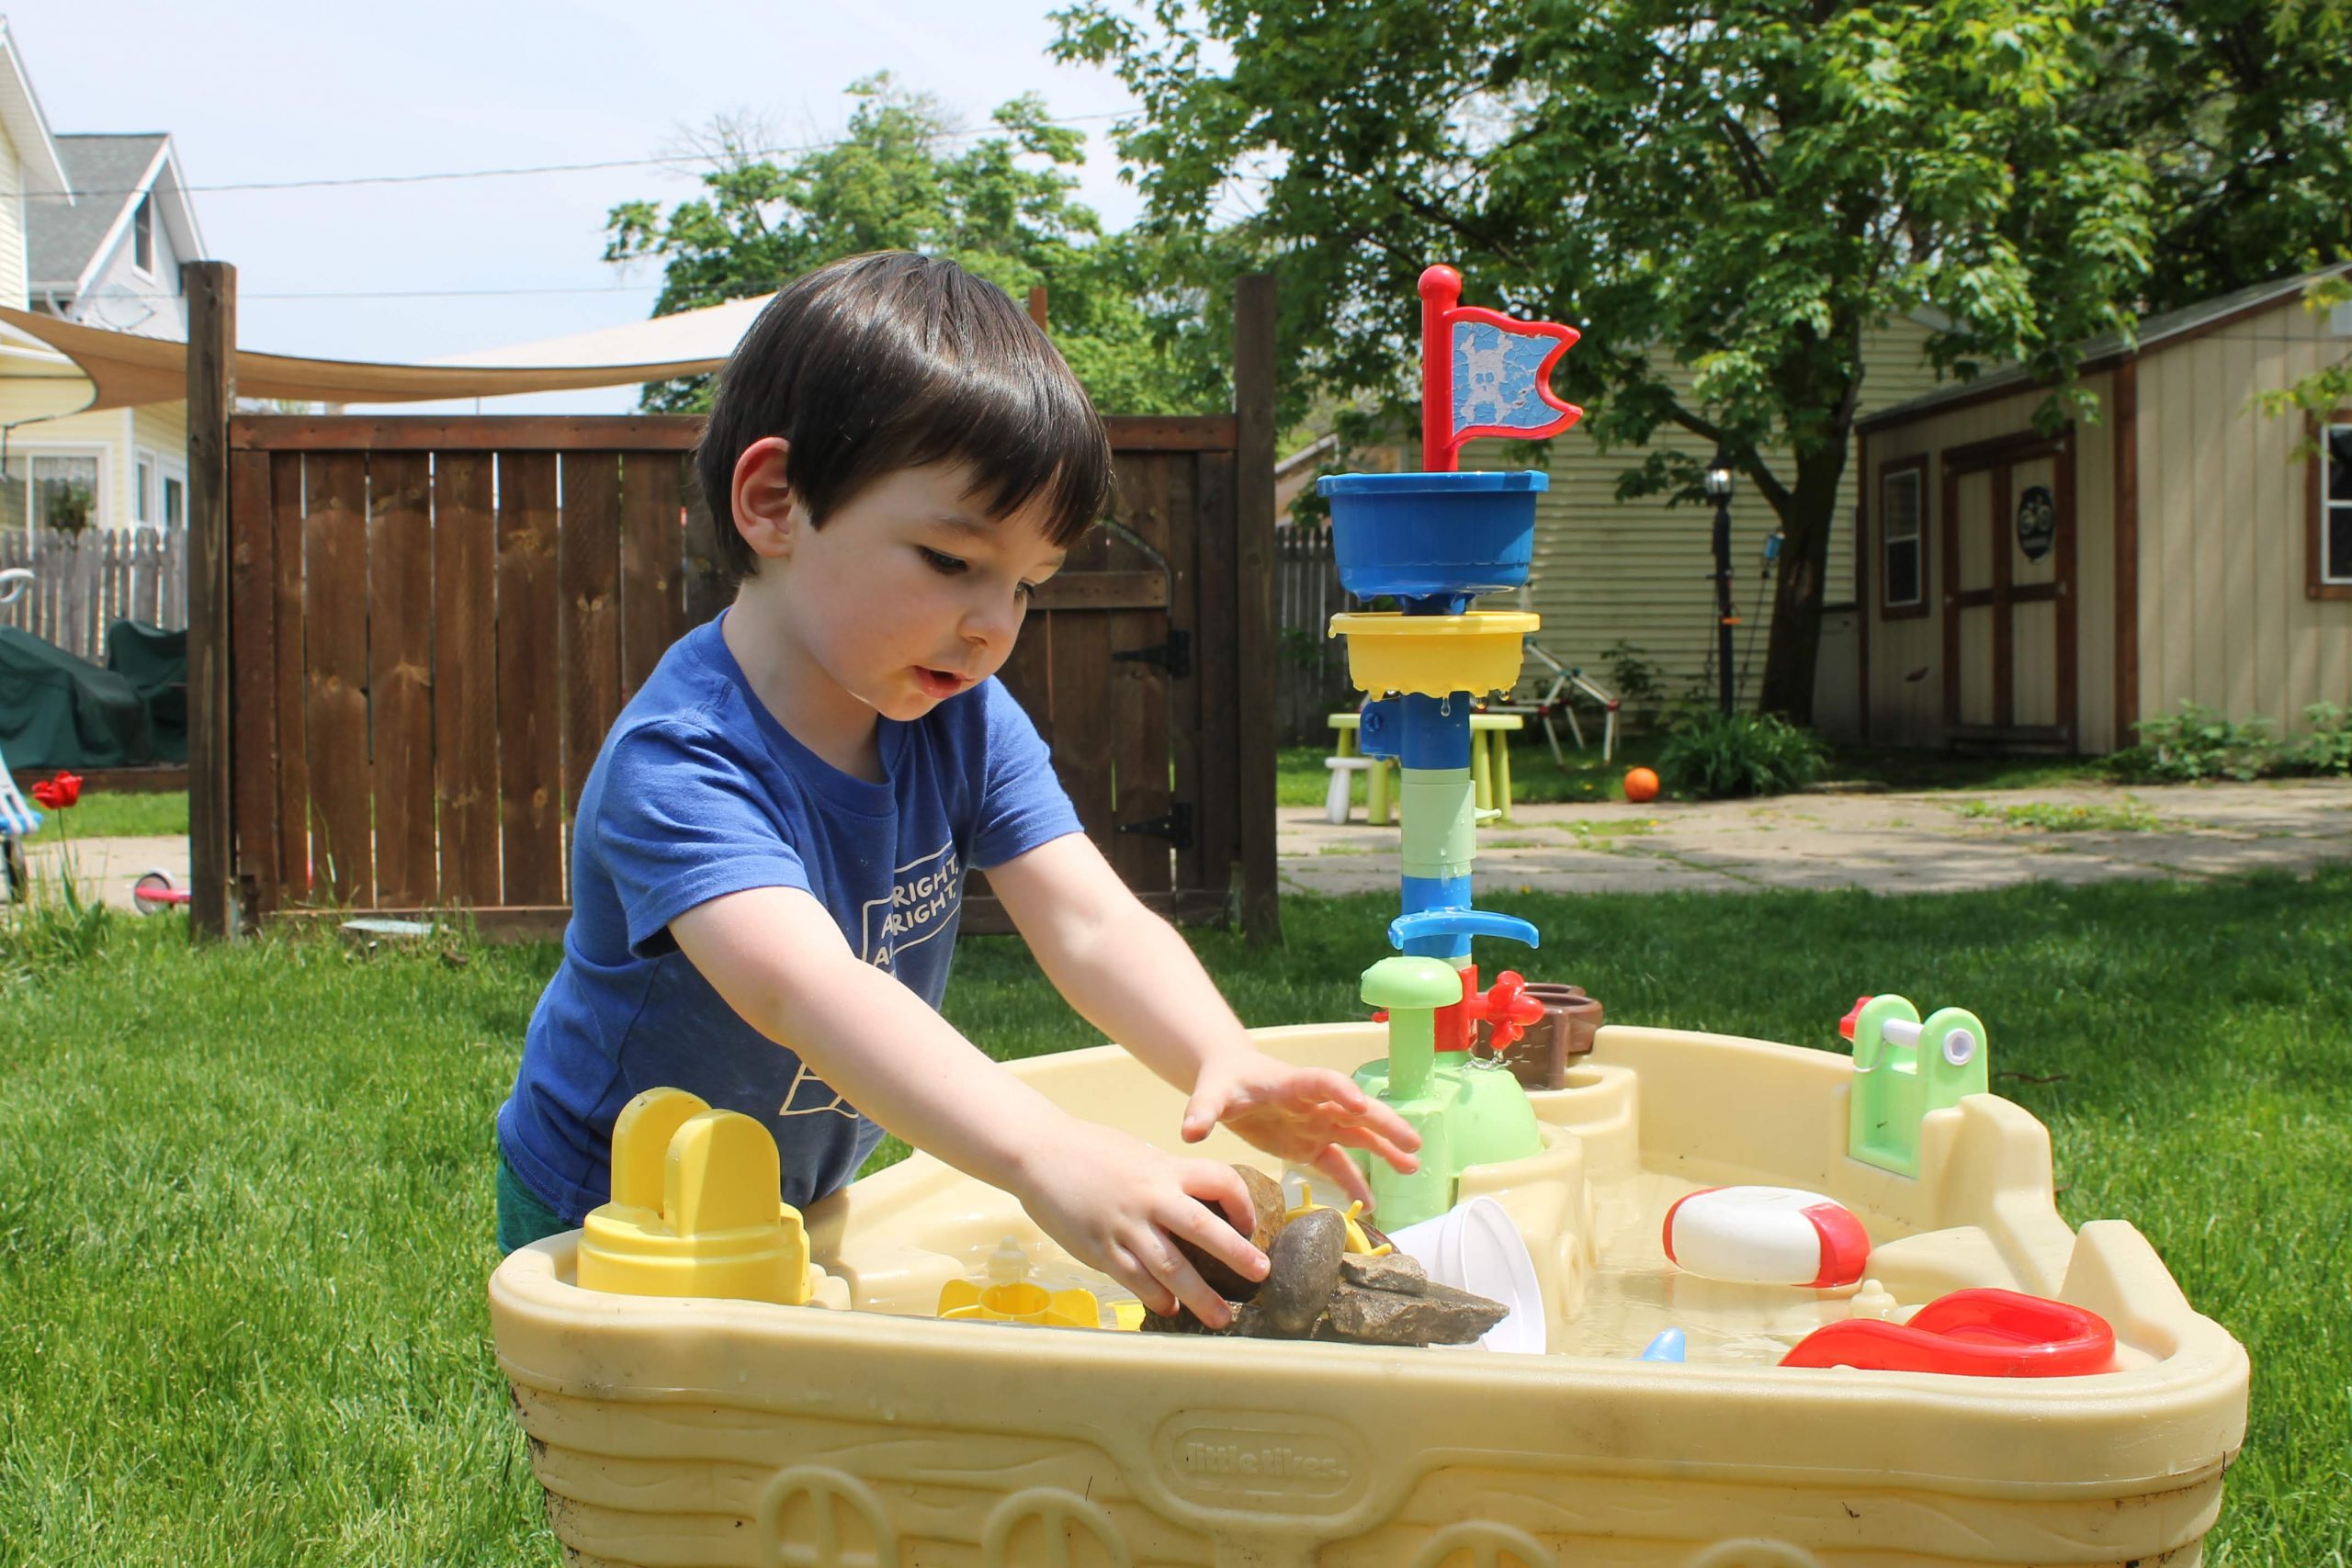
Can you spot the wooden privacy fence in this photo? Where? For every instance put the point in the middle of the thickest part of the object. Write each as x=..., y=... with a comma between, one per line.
x=433, y=622
x=85, y=582
x=409, y=635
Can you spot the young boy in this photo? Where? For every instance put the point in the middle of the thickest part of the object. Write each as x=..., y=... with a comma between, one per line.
x=768, y=856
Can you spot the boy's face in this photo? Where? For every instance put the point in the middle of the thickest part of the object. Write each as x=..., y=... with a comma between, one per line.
x=910, y=592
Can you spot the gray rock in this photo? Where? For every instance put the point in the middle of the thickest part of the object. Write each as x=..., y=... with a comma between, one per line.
x=1306, y=1259
x=1435, y=1315
x=1389, y=1271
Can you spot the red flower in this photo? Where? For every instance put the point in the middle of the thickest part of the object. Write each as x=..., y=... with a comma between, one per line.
x=58, y=792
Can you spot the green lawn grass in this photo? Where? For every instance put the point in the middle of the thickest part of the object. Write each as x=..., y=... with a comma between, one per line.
x=108, y=814
x=245, y=1199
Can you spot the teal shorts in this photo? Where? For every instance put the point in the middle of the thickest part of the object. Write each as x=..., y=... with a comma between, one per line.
x=521, y=1218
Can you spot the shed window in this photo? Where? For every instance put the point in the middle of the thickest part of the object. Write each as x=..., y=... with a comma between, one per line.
x=2335, y=520
x=143, y=234
x=1903, y=536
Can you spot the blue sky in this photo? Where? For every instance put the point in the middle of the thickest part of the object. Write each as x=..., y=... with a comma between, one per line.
x=270, y=91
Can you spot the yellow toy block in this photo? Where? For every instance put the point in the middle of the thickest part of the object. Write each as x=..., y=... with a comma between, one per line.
x=694, y=1210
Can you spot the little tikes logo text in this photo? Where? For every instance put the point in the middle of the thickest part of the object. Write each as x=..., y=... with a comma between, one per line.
x=924, y=896
x=1261, y=1462
x=1268, y=1460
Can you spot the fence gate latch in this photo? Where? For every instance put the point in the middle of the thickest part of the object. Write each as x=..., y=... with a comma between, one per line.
x=1175, y=655
x=1176, y=827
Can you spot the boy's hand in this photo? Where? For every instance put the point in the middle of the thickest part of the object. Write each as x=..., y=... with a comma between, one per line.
x=1305, y=1115
x=1113, y=1202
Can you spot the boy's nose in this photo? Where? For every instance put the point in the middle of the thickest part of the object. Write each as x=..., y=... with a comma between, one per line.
x=992, y=622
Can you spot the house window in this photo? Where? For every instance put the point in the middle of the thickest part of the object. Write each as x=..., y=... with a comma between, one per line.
x=2327, y=525
x=143, y=234
x=1902, y=537
x=174, y=501
x=143, y=501
x=64, y=492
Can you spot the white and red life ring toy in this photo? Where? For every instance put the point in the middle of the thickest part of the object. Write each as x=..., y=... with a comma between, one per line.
x=1767, y=1236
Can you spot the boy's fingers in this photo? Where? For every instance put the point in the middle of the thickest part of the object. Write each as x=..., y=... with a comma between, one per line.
x=1227, y=1242
x=1201, y=1112
x=1380, y=1148
x=1383, y=1119
x=1223, y=1186
x=1333, y=1162
x=1177, y=1274
x=1321, y=1084
x=1155, y=1296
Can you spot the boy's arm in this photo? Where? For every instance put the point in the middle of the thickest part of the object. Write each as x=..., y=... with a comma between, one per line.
x=1129, y=973
x=779, y=960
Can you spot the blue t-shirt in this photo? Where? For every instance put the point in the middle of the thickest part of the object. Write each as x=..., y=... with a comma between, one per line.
x=699, y=791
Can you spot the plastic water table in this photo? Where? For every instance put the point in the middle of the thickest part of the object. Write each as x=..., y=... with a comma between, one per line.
x=842, y=1420
x=673, y=1431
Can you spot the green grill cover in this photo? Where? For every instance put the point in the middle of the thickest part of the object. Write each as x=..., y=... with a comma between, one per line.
x=57, y=711
x=155, y=663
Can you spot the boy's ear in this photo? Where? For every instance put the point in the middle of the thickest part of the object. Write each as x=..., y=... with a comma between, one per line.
x=767, y=513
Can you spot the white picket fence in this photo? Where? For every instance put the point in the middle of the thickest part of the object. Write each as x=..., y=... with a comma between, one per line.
x=85, y=583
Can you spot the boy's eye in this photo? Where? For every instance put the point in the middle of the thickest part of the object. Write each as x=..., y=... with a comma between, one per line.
x=942, y=563
x=1026, y=589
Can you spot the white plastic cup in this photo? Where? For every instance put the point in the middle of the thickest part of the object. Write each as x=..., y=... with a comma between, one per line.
x=1475, y=1246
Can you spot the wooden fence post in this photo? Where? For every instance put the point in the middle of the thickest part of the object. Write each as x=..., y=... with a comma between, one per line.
x=211, y=290
x=1253, y=508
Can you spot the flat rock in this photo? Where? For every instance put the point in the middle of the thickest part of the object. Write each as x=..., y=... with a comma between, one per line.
x=1435, y=1315
x=1389, y=1271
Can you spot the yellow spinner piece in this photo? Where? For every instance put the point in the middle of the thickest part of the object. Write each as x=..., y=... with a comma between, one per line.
x=694, y=1210
x=1358, y=1242
x=1435, y=656
x=1011, y=1296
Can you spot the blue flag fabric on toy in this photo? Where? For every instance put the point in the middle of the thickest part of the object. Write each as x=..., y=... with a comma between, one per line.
x=1496, y=373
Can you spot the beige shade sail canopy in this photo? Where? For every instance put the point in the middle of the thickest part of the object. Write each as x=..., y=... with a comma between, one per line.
x=126, y=370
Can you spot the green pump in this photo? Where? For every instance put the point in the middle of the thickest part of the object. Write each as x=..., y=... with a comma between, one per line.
x=1465, y=1113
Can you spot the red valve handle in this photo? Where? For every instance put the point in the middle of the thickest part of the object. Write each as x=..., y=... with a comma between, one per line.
x=1509, y=1009
x=1846, y=1024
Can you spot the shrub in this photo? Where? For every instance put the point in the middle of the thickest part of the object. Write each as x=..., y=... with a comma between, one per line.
x=2197, y=743
x=2328, y=748
x=1713, y=755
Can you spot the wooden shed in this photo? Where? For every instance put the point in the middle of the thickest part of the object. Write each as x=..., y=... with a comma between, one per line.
x=2042, y=591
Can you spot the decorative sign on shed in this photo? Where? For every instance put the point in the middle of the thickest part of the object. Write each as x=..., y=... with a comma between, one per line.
x=2037, y=521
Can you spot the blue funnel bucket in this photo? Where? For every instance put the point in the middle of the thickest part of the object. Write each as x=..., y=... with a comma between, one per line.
x=1420, y=537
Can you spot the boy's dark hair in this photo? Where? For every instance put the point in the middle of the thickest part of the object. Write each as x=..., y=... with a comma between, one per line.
x=890, y=361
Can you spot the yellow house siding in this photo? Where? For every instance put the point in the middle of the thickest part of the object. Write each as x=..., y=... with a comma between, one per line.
x=2225, y=621
x=1907, y=712
x=12, y=224
x=106, y=434
x=1642, y=572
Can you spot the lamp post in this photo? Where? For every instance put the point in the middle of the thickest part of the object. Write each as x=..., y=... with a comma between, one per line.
x=1718, y=486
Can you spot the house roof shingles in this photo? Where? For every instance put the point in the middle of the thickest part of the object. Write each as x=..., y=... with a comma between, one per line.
x=2154, y=331
x=105, y=171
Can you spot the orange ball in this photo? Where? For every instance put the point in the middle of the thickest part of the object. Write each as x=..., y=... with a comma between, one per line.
x=1640, y=784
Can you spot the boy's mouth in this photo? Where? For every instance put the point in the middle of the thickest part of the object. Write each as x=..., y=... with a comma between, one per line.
x=939, y=683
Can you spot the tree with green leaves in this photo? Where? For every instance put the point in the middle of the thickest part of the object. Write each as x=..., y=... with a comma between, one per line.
x=1725, y=198
x=2244, y=111
x=903, y=178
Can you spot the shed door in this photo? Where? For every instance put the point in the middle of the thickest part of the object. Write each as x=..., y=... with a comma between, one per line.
x=2007, y=603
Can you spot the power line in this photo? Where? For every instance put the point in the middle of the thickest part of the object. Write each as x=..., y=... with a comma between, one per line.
x=522, y=170
x=457, y=293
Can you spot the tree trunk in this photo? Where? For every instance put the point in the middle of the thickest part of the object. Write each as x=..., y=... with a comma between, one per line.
x=1794, y=646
